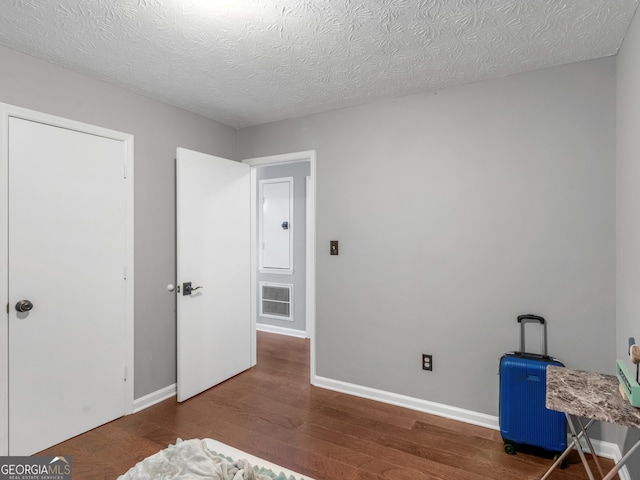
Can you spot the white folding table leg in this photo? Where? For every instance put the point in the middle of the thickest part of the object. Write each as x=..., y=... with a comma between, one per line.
x=557, y=463
x=567, y=450
x=588, y=440
x=612, y=473
x=576, y=440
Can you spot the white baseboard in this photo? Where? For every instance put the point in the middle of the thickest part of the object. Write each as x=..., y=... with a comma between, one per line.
x=447, y=411
x=154, y=397
x=603, y=449
x=607, y=450
x=281, y=330
x=623, y=474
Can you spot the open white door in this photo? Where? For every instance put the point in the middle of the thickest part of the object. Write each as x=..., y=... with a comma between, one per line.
x=213, y=254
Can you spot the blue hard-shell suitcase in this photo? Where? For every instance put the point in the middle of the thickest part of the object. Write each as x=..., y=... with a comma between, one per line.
x=525, y=422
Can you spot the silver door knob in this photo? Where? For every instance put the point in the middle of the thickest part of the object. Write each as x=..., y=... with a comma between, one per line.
x=24, y=306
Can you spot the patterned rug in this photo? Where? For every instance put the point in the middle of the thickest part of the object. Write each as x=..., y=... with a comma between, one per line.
x=198, y=459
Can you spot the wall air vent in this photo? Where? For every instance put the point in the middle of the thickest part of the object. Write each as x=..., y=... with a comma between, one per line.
x=276, y=301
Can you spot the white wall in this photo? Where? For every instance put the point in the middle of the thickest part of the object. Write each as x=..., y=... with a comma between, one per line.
x=158, y=129
x=456, y=211
x=628, y=204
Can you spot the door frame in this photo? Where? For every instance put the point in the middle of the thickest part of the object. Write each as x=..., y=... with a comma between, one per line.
x=310, y=294
x=7, y=111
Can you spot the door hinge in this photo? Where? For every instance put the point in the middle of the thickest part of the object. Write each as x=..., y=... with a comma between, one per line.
x=125, y=374
x=125, y=170
x=125, y=272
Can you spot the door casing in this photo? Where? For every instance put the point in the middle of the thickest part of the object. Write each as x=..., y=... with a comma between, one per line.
x=7, y=111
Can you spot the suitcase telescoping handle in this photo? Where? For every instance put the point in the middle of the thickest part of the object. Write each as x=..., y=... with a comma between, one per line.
x=529, y=318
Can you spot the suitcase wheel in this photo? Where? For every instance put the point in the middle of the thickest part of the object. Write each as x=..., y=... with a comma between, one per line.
x=563, y=464
x=510, y=448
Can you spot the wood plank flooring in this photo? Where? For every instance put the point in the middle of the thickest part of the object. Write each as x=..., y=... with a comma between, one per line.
x=272, y=412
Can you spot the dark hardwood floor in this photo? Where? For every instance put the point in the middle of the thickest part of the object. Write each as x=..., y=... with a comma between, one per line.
x=272, y=412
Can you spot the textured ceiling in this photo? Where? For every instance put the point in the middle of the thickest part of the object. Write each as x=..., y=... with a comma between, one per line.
x=247, y=62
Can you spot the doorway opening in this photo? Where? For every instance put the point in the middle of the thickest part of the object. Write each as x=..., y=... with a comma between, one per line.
x=274, y=166
x=281, y=248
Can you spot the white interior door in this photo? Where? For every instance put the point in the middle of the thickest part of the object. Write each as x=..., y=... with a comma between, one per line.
x=67, y=255
x=276, y=228
x=213, y=252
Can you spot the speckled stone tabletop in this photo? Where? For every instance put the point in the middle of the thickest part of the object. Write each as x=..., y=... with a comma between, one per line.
x=589, y=394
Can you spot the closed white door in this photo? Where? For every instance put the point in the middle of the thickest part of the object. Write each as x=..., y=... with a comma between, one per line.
x=66, y=263
x=213, y=255
x=276, y=228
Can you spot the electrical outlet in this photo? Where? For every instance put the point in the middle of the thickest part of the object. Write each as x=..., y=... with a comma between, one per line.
x=427, y=362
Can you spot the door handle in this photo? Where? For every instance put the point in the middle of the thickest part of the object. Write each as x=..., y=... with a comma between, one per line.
x=187, y=288
x=24, y=306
